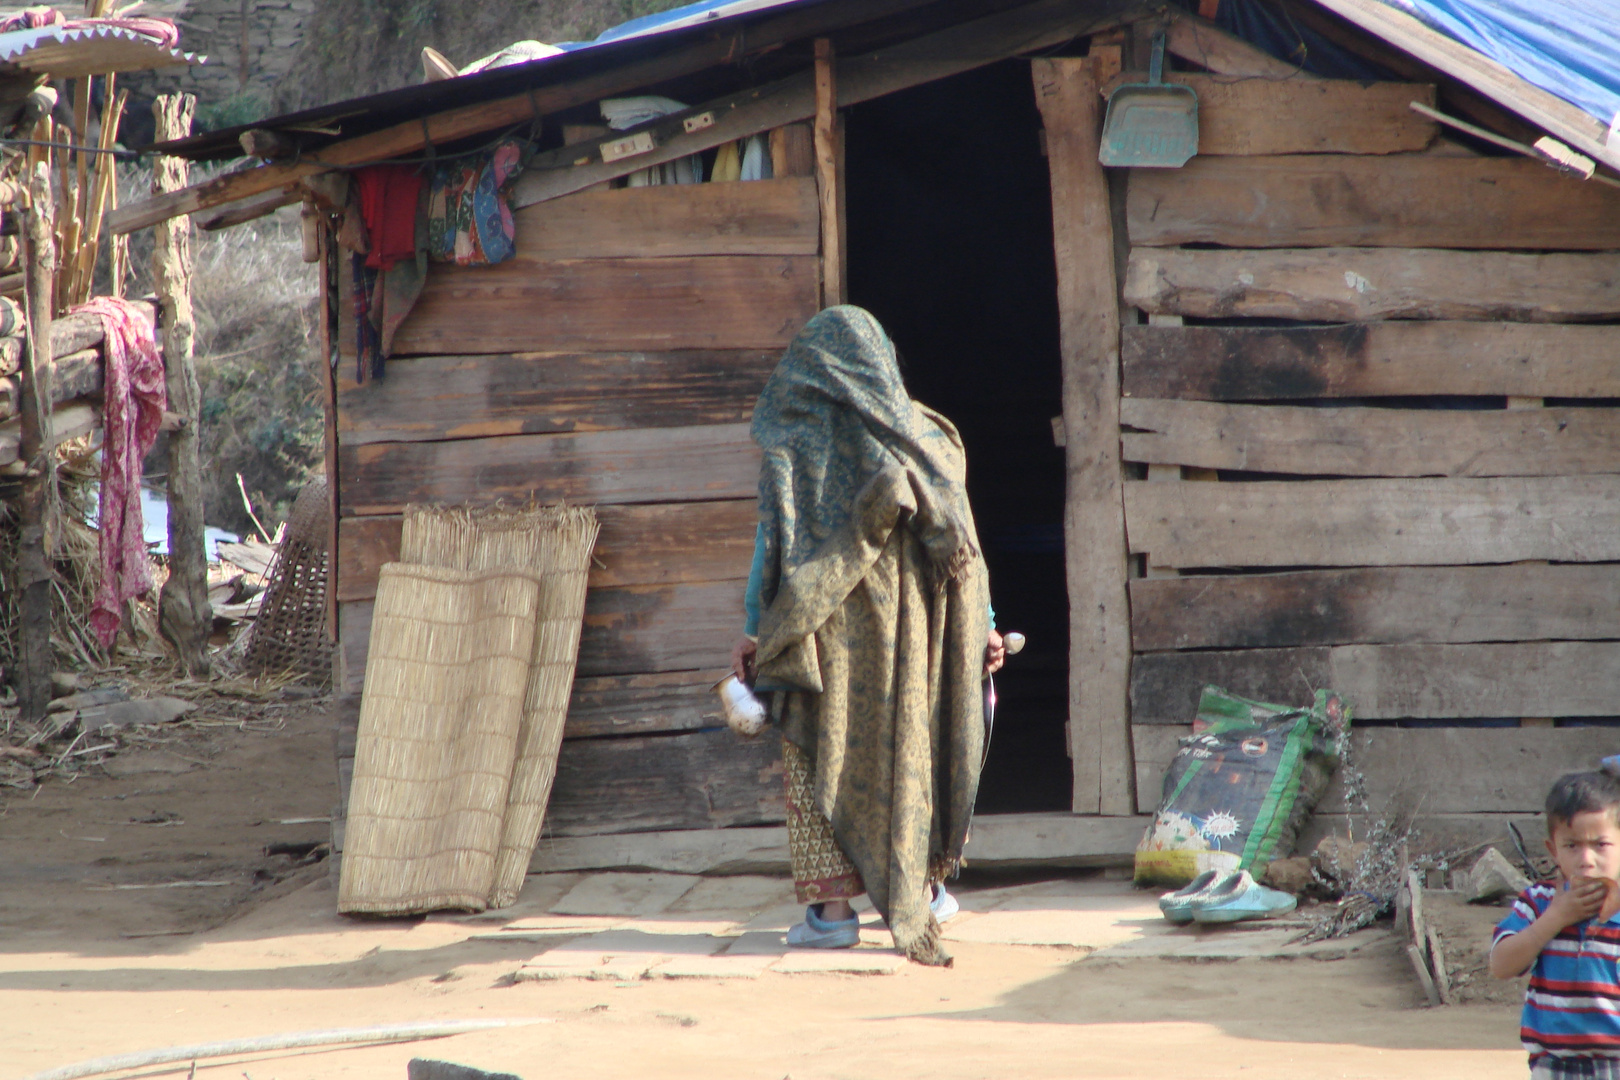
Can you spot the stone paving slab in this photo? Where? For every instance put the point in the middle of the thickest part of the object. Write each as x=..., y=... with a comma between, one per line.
x=724, y=966
x=629, y=895
x=859, y=961
x=1230, y=943
x=620, y=955
x=1093, y=921
x=749, y=894
x=540, y=891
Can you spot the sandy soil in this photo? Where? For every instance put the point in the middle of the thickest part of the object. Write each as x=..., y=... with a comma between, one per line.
x=87, y=971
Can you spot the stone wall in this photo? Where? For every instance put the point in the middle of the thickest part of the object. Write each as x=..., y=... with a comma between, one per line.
x=250, y=45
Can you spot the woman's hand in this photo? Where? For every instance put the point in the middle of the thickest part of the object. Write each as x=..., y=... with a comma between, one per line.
x=742, y=660
x=995, y=654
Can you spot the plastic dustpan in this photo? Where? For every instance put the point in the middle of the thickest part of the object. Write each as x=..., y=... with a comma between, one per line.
x=1151, y=125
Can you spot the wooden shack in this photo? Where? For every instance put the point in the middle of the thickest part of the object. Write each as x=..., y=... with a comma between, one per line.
x=1333, y=403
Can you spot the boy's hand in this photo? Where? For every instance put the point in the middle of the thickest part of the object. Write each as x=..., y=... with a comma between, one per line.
x=1576, y=902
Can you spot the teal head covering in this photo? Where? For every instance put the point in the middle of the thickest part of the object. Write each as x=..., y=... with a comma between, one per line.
x=832, y=417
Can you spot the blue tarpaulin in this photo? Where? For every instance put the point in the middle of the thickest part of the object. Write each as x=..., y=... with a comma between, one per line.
x=1568, y=48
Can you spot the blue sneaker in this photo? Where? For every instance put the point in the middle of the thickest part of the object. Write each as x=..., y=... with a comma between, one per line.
x=1177, y=906
x=817, y=933
x=943, y=905
x=1241, y=898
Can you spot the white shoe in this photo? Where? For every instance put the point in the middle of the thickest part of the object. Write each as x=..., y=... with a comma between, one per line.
x=943, y=905
x=817, y=933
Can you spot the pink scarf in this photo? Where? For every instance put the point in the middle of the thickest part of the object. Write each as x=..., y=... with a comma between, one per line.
x=134, y=394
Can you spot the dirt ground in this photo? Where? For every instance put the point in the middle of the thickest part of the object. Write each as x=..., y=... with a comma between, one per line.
x=90, y=969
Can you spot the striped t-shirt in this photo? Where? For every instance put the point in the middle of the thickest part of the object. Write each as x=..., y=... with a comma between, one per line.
x=1572, y=1008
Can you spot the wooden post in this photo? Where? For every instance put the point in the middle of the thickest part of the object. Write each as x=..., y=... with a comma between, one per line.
x=1094, y=516
x=185, y=617
x=826, y=149
x=34, y=659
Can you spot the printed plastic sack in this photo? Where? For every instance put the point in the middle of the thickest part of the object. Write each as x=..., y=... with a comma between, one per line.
x=1239, y=789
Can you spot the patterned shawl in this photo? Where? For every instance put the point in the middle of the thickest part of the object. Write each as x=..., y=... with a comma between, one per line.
x=875, y=605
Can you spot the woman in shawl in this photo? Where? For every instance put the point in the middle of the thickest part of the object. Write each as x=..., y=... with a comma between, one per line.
x=868, y=621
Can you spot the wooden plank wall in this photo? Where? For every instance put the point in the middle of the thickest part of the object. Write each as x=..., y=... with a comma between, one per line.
x=1416, y=495
x=613, y=362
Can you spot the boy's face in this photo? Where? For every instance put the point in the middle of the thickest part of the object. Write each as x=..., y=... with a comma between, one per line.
x=1587, y=845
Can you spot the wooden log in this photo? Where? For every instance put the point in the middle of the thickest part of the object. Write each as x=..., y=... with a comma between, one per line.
x=1375, y=522
x=68, y=422
x=1377, y=605
x=35, y=543
x=267, y=144
x=458, y=397
x=75, y=375
x=252, y=209
x=69, y=334
x=826, y=149
x=677, y=543
x=768, y=217
x=703, y=780
x=1359, y=284
x=1391, y=682
x=689, y=464
x=610, y=305
x=1249, y=117
x=1210, y=47
x=1095, y=557
x=1372, y=442
x=1394, y=359
x=1341, y=200
x=185, y=616
x=642, y=705
x=1485, y=770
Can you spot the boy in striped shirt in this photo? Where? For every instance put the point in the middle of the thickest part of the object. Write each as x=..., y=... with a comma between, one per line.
x=1557, y=931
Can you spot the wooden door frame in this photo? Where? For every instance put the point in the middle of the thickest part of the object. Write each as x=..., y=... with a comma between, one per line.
x=1096, y=560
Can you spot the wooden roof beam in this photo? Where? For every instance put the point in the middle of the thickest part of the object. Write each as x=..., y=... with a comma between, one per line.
x=935, y=56
x=1479, y=73
x=1207, y=45
x=960, y=48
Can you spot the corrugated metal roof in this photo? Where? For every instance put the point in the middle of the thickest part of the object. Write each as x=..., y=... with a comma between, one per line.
x=638, y=39
x=64, y=53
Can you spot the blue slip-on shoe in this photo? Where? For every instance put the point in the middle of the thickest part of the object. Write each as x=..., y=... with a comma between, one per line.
x=1177, y=906
x=817, y=933
x=1240, y=899
x=943, y=905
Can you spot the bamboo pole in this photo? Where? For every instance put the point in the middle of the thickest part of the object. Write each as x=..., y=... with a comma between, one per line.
x=34, y=660
x=184, y=614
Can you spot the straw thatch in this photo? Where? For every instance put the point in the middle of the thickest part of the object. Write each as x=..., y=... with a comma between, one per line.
x=439, y=727
x=555, y=544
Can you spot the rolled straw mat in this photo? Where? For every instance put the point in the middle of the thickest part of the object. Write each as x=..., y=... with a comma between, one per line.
x=440, y=717
x=553, y=543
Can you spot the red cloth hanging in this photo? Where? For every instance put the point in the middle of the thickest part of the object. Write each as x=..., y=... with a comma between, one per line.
x=134, y=395
x=388, y=197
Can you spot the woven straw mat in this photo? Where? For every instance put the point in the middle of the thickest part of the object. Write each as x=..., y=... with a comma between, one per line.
x=554, y=543
x=440, y=718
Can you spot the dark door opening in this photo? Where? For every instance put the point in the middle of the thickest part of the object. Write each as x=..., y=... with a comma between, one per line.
x=949, y=218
